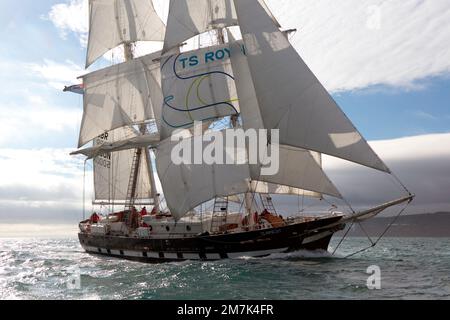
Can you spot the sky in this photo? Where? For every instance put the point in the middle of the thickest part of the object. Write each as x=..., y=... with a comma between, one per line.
x=386, y=62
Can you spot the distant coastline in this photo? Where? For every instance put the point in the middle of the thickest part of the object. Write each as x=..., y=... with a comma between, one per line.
x=432, y=225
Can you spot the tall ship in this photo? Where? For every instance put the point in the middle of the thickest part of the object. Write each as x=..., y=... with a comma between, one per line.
x=223, y=67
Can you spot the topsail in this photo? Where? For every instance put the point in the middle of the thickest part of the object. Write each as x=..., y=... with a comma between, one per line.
x=188, y=18
x=114, y=22
x=123, y=94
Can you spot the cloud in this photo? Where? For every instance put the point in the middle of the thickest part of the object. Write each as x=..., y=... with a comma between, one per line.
x=40, y=184
x=71, y=17
x=32, y=112
x=425, y=115
x=422, y=163
x=34, y=118
x=355, y=44
x=57, y=74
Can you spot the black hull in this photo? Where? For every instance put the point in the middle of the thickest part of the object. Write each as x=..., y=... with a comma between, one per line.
x=301, y=236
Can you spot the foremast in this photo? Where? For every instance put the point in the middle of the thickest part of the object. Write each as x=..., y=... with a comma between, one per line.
x=118, y=103
x=136, y=164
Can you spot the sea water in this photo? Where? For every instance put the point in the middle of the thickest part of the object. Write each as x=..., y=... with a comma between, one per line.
x=416, y=268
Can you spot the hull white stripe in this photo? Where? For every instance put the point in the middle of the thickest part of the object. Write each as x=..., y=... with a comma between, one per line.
x=172, y=256
x=186, y=256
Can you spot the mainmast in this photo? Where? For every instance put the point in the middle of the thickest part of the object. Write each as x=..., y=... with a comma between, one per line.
x=249, y=196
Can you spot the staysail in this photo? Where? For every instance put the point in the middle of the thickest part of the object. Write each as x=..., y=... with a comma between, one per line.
x=277, y=189
x=291, y=98
x=114, y=22
x=294, y=162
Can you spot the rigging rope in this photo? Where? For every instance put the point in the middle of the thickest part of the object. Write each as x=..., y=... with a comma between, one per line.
x=373, y=243
x=84, y=190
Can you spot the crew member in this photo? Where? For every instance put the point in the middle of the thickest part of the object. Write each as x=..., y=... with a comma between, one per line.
x=95, y=218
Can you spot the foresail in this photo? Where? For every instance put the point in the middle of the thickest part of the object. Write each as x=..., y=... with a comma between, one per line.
x=112, y=171
x=271, y=188
x=299, y=169
x=291, y=98
x=186, y=186
x=197, y=86
x=113, y=22
x=188, y=18
x=120, y=95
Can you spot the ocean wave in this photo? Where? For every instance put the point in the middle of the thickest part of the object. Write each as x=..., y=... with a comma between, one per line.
x=40, y=269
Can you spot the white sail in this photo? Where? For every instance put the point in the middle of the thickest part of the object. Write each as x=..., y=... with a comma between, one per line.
x=250, y=113
x=291, y=98
x=188, y=18
x=187, y=186
x=120, y=95
x=113, y=22
x=271, y=188
x=112, y=171
x=299, y=169
x=197, y=86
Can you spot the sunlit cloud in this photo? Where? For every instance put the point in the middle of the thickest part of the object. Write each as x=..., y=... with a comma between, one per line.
x=355, y=44
x=71, y=17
